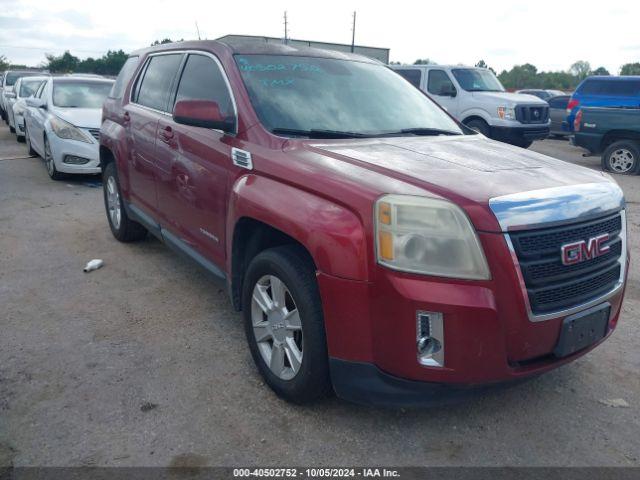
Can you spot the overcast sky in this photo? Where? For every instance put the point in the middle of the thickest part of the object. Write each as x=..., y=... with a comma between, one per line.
x=549, y=34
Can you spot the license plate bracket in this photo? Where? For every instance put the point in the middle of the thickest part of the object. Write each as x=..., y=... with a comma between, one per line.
x=582, y=330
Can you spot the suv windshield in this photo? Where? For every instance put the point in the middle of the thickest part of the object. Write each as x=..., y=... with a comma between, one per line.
x=308, y=96
x=80, y=94
x=477, y=80
x=28, y=87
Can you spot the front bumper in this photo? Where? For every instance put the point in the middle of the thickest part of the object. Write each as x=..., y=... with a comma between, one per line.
x=61, y=149
x=488, y=335
x=515, y=134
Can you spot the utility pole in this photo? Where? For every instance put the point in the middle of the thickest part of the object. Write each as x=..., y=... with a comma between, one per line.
x=353, y=33
x=286, y=34
x=198, y=30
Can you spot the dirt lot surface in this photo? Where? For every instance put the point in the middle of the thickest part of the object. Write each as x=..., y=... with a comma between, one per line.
x=144, y=362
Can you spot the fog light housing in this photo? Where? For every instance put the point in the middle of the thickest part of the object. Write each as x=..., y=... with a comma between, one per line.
x=73, y=160
x=430, y=338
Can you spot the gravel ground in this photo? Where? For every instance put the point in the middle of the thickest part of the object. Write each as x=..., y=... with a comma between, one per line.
x=144, y=362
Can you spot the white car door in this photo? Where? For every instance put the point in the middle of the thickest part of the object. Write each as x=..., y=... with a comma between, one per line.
x=439, y=86
x=36, y=119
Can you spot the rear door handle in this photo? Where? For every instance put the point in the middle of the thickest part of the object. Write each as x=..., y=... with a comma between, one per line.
x=166, y=133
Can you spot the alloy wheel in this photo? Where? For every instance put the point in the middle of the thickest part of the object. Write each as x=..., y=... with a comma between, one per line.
x=113, y=202
x=277, y=327
x=621, y=160
x=48, y=159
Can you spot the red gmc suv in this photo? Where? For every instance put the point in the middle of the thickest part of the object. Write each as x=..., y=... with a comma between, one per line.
x=375, y=246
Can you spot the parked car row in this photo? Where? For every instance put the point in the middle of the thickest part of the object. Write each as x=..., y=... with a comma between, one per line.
x=58, y=116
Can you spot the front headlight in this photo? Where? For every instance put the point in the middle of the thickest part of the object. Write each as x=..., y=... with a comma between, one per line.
x=506, y=113
x=428, y=236
x=67, y=131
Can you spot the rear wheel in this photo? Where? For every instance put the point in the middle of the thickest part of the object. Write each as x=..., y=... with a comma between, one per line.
x=622, y=157
x=27, y=139
x=284, y=324
x=122, y=227
x=11, y=129
x=522, y=143
x=479, y=126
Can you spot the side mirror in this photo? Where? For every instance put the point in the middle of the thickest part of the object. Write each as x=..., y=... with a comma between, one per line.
x=36, y=103
x=202, y=113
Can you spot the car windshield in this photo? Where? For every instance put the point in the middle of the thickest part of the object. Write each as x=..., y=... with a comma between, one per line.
x=80, y=94
x=329, y=98
x=28, y=87
x=477, y=80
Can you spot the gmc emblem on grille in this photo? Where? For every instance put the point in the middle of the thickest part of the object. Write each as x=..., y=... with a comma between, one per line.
x=581, y=251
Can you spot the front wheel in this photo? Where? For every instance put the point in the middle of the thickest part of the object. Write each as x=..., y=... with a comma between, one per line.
x=479, y=126
x=27, y=140
x=50, y=163
x=622, y=157
x=284, y=324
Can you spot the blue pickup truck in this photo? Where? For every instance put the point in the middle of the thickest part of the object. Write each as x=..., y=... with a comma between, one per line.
x=603, y=91
x=612, y=132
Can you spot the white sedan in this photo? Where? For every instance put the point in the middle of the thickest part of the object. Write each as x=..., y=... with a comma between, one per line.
x=24, y=88
x=62, y=123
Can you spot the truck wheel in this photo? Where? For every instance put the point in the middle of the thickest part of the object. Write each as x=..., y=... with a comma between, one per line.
x=522, y=143
x=621, y=157
x=122, y=227
x=284, y=324
x=479, y=126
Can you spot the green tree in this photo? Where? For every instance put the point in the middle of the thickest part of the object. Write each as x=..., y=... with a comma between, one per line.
x=165, y=40
x=424, y=61
x=581, y=69
x=65, y=63
x=601, y=71
x=630, y=69
x=483, y=64
x=4, y=63
x=520, y=76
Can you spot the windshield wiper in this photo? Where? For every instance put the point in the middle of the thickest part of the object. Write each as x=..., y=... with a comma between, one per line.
x=313, y=133
x=428, y=131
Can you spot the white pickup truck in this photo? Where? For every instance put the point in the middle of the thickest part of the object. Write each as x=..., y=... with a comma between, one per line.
x=476, y=97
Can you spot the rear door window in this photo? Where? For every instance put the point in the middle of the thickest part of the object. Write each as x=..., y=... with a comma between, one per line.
x=155, y=87
x=439, y=83
x=202, y=79
x=414, y=76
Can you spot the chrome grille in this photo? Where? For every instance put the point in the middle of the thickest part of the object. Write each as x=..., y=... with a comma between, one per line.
x=553, y=286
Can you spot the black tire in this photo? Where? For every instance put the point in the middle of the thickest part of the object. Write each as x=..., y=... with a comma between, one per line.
x=27, y=140
x=20, y=138
x=11, y=129
x=128, y=230
x=50, y=164
x=522, y=143
x=613, y=158
x=294, y=268
x=479, y=126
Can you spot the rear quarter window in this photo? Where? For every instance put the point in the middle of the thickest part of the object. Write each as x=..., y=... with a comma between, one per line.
x=126, y=72
x=613, y=88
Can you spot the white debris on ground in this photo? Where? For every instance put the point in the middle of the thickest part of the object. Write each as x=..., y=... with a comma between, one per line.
x=615, y=402
x=94, y=264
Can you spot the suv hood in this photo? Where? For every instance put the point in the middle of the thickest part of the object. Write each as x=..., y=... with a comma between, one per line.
x=511, y=99
x=468, y=170
x=80, y=117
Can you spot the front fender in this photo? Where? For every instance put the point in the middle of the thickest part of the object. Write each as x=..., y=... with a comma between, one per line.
x=332, y=234
x=476, y=112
